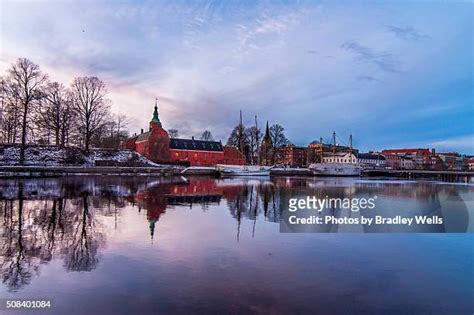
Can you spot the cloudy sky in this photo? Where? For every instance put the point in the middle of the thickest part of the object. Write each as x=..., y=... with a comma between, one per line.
x=394, y=73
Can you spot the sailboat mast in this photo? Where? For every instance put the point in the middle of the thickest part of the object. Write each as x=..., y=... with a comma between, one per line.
x=241, y=134
x=321, y=152
x=257, y=140
x=350, y=147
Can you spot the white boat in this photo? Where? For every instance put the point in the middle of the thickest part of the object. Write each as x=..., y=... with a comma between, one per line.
x=243, y=170
x=335, y=169
x=199, y=170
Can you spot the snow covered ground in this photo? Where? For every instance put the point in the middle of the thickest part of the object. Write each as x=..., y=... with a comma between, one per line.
x=55, y=156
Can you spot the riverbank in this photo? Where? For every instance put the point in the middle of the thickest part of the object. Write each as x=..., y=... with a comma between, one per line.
x=59, y=171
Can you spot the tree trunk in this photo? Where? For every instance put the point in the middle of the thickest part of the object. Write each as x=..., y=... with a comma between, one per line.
x=23, y=134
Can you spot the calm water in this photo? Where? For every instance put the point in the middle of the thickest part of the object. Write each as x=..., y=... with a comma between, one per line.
x=120, y=245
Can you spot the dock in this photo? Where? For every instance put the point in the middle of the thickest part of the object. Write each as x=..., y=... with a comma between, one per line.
x=447, y=176
x=58, y=171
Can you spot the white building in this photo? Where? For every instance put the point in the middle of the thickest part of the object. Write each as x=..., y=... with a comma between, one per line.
x=340, y=157
x=371, y=160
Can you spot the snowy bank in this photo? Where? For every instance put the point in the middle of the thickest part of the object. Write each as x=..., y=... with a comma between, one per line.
x=56, y=156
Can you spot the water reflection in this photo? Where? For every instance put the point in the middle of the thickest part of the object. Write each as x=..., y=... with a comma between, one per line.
x=46, y=219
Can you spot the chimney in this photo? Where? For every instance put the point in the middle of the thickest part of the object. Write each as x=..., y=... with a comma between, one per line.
x=192, y=138
x=142, y=130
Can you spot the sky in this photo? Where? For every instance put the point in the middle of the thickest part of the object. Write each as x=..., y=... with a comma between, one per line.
x=393, y=73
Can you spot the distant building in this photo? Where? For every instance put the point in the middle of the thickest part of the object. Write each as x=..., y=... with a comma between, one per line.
x=470, y=164
x=316, y=149
x=232, y=156
x=154, y=144
x=196, y=152
x=421, y=158
x=371, y=160
x=267, y=149
x=340, y=157
x=157, y=146
x=293, y=156
x=452, y=161
x=407, y=163
x=392, y=161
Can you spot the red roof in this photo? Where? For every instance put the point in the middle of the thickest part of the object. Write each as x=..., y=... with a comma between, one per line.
x=423, y=151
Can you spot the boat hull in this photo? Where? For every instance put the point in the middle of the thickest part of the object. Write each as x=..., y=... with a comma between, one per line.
x=335, y=169
x=243, y=170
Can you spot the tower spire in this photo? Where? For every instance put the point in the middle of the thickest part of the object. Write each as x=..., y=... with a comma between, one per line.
x=155, y=118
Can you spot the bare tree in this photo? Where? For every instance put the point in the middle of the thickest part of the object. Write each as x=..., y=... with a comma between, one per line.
x=207, y=135
x=90, y=105
x=9, y=114
x=173, y=133
x=56, y=115
x=253, y=134
x=25, y=83
x=279, y=140
x=112, y=133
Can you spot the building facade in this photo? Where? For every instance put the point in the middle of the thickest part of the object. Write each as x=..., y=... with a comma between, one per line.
x=340, y=157
x=293, y=156
x=420, y=157
x=371, y=160
x=317, y=149
x=267, y=151
x=157, y=146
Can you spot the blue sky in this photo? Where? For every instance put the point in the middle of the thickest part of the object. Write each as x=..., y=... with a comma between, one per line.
x=394, y=73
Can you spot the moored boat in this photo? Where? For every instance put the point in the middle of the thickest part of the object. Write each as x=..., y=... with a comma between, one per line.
x=243, y=170
x=335, y=169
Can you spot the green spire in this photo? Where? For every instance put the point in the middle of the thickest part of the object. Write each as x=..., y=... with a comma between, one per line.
x=155, y=118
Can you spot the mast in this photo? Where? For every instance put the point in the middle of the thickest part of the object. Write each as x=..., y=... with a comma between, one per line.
x=321, y=150
x=241, y=134
x=350, y=147
x=256, y=139
x=334, y=143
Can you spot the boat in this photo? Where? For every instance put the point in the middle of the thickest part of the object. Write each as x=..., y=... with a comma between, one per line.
x=243, y=170
x=199, y=170
x=335, y=169
x=337, y=164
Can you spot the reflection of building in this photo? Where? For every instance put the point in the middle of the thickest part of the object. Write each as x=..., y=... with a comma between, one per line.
x=293, y=156
x=156, y=199
x=371, y=160
x=157, y=146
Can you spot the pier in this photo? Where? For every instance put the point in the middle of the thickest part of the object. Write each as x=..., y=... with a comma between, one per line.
x=57, y=171
x=445, y=176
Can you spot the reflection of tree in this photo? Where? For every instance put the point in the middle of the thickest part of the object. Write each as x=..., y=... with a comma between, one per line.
x=82, y=250
x=33, y=231
x=15, y=264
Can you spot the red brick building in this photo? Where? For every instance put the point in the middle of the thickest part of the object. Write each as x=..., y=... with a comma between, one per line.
x=157, y=146
x=422, y=158
x=154, y=144
x=232, y=156
x=293, y=156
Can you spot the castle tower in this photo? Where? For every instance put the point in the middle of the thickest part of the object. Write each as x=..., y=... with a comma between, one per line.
x=155, y=121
